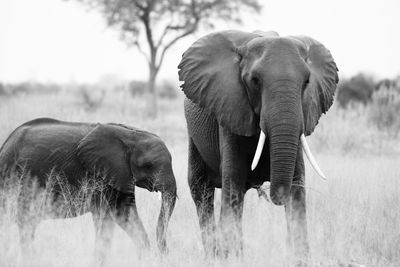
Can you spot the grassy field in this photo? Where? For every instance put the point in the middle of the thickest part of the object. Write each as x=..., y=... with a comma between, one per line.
x=354, y=216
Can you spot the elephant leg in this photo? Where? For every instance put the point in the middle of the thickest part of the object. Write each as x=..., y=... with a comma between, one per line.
x=104, y=225
x=203, y=196
x=27, y=221
x=26, y=236
x=233, y=172
x=297, y=239
x=125, y=204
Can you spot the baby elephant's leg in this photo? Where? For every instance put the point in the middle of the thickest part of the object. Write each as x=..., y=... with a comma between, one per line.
x=104, y=225
x=125, y=204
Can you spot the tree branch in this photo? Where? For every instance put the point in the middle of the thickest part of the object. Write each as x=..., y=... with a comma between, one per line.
x=165, y=32
x=149, y=35
x=142, y=8
x=173, y=41
x=139, y=47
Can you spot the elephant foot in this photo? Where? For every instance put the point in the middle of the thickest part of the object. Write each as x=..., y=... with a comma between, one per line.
x=209, y=244
x=300, y=263
x=230, y=246
x=299, y=257
x=211, y=252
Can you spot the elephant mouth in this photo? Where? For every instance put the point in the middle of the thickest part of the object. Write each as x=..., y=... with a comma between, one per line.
x=146, y=184
x=306, y=150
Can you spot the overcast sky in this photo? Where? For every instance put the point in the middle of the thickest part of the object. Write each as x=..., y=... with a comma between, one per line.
x=55, y=40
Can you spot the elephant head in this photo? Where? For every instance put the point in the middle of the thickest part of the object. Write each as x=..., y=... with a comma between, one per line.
x=129, y=157
x=261, y=83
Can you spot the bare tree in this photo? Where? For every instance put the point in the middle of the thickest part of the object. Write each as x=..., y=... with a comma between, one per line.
x=162, y=23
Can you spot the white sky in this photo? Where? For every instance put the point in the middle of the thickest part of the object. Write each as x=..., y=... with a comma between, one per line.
x=55, y=40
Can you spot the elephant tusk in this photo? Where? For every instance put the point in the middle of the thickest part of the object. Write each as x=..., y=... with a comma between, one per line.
x=159, y=195
x=259, y=149
x=310, y=157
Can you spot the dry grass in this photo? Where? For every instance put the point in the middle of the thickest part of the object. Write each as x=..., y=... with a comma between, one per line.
x=354, y=216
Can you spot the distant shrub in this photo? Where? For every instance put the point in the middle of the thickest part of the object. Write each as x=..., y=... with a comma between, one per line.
x=137, y=88
x=167, y=90
x=357, y=89
x=3, y=90
x=32, y=88
x=385, y=83
x=384, y=110
x=91, y=99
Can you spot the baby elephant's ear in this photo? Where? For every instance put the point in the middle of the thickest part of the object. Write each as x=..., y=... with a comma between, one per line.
x=319, y=93
x=211, y=75
x=102, y=151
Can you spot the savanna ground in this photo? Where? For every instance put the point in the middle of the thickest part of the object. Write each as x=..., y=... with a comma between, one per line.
x=354, y=216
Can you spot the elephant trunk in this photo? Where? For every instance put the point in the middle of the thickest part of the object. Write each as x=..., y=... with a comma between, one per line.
x=282, y=124
x=168, y=198
x=283, y=149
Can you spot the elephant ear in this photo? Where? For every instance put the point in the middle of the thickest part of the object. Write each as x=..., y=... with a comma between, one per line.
x=211, y=75
x=319, y=94
x=103, y=151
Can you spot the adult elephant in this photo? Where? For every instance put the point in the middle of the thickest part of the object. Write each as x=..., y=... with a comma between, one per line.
x=242, y=90
x=117, y=156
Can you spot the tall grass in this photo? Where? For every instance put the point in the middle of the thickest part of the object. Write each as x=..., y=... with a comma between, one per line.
x=354, y=216
x=25, y=203
x=384, y=111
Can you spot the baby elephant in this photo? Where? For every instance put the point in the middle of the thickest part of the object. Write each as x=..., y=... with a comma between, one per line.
x=117, y=156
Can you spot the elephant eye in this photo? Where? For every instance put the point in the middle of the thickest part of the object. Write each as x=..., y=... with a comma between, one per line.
x=306, y=82
x=148, y=165
x=255, y=81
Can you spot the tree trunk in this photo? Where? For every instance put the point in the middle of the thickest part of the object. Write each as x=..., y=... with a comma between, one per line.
x=152, y=96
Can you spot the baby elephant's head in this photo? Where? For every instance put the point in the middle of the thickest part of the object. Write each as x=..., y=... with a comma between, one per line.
x=151, y=166
x=129, y=157
x=150, y=163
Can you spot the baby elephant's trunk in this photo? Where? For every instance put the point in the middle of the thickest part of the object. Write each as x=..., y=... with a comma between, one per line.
x=168, y=199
